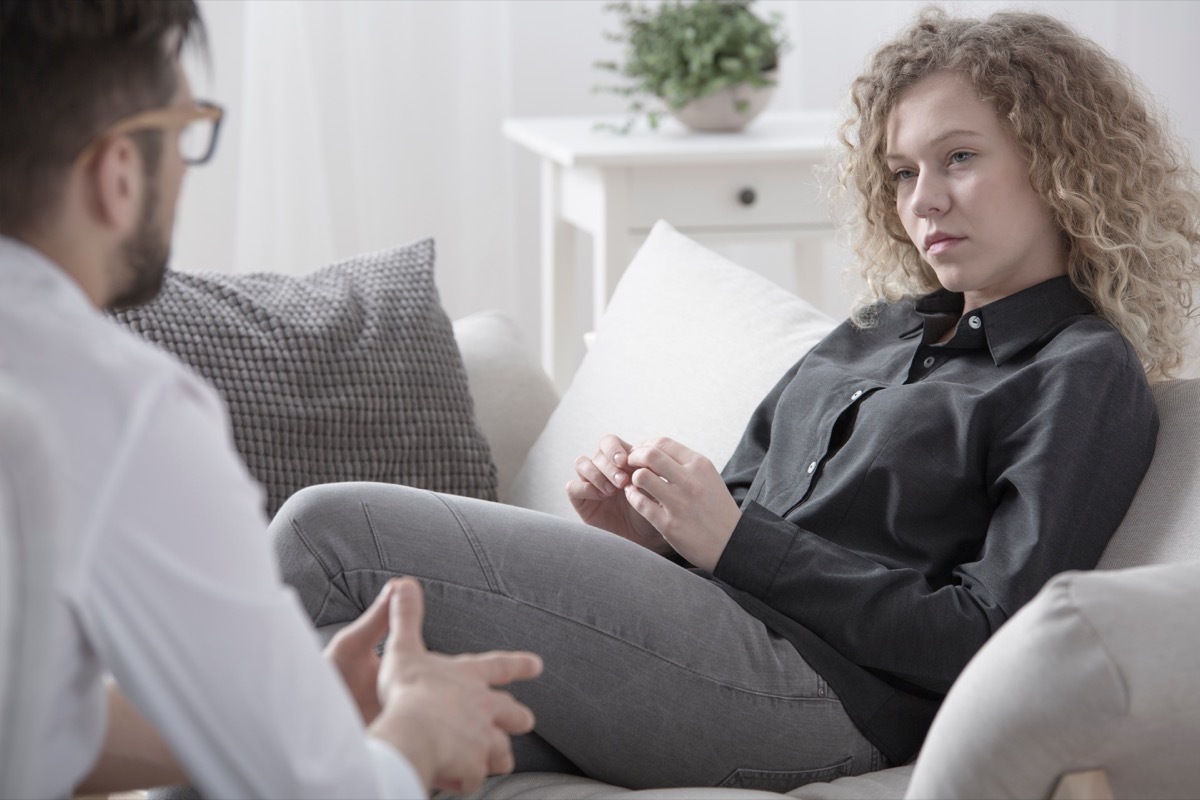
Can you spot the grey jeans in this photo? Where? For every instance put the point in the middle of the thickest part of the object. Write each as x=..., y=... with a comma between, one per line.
x=653, y=675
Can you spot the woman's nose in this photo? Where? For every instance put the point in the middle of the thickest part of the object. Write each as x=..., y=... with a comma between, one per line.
x=930, y=196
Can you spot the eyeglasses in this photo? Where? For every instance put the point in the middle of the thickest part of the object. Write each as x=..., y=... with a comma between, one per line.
x=198, y=126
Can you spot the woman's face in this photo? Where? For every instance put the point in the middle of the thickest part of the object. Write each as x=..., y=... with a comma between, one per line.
x=963, y=193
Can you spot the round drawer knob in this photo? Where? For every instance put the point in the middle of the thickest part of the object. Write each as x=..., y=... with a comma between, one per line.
x=747, y=197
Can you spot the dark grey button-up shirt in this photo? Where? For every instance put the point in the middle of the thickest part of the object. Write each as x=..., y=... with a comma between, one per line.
x=901, y=499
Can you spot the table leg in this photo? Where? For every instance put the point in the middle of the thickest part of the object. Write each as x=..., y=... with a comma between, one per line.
x=558, y=278
x=611, y=242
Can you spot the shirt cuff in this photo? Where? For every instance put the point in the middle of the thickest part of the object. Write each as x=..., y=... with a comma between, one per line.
x=395, y=776
x=759, y=544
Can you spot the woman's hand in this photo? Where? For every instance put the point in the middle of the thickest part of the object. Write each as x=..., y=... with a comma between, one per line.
x=599, y=498
x=681, y=493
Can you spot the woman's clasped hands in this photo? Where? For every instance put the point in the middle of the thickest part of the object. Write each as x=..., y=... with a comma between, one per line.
x=659, y=494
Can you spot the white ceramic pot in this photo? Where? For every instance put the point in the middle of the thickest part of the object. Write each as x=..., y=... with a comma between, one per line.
x=717, y=112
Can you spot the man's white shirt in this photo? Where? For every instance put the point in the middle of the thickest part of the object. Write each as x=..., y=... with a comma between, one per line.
x=166, y=579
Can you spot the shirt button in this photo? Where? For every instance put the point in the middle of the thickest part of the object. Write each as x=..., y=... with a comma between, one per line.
x=812, y=468
x=856, y=395
x=928, y=362
x=975, y=322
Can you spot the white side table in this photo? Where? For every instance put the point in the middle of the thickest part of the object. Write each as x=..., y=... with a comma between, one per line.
x=755, y=184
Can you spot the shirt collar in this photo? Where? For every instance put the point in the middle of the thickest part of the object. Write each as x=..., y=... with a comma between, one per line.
x=23, y=265
x=1010, y=324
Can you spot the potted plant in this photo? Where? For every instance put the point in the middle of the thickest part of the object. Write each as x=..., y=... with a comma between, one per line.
x=711, y=62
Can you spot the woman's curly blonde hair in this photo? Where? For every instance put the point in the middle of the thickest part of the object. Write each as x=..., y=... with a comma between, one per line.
x=1122, y=188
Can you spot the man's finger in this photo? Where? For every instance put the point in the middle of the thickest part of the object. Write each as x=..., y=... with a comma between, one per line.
x=407, y=616
x=372, y=624
x=500, y=754
x=499, y=668
x=511, y=716
x=472, y=778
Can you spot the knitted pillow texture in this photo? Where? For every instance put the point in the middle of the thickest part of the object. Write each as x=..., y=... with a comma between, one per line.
x=349, y=373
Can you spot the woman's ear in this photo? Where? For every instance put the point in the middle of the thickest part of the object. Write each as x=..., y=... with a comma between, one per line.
x=117, y=185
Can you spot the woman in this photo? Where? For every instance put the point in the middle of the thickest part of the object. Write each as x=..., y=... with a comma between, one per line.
x=1028, y=234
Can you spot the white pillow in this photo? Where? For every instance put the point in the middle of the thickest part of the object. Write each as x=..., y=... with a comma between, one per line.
x=1163, y=522
x=688, y=346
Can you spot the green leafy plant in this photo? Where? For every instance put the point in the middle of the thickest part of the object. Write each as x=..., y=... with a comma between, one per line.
x=678, y=52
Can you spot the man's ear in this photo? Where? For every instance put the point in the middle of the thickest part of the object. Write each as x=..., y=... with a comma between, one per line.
x=118, y=183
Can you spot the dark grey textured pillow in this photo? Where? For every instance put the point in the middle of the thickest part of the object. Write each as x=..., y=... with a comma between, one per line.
x=348, y=373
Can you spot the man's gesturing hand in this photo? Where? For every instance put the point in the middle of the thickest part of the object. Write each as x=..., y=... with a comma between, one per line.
x=352, y=651
x=682, y=494
x=441, y=711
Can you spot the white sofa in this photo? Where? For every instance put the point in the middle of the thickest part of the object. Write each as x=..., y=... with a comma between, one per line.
x=690, y=342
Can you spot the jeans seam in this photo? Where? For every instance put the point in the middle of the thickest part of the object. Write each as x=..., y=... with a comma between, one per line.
x=374, y=536
x=830, y=772
x=308, y=546
x=330, y=576
x=480, y=557
x=626, y=642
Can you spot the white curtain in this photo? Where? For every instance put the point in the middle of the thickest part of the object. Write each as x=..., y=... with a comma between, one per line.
x=354, y=126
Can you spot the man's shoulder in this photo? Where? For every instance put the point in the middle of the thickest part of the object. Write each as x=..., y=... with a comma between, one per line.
x=85, y=366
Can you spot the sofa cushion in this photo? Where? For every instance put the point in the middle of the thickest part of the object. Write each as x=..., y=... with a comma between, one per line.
x=687, y=347
x=348, y=373
x=886, y=784
x=513, y=395
x=1098, y=671
x=1162, y=525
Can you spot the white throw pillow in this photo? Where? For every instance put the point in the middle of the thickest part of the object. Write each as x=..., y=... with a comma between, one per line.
x=1163, y=522
x=688, y=346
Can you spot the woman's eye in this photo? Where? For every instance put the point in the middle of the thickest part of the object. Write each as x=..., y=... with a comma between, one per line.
x=902, y=175
x=960, y=157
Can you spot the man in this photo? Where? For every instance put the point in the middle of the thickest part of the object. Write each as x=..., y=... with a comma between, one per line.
x=167, y=581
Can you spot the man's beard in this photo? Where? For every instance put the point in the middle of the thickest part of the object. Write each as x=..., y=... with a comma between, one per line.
x=145, y=254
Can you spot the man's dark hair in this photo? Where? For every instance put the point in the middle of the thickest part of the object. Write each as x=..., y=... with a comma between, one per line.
x=68, y=70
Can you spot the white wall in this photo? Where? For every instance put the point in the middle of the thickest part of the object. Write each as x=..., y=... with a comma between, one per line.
x=423, y=154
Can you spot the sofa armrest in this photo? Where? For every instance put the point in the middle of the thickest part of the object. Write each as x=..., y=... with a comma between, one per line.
x=513, y=395
x=1096, y=672
x=1089, y=784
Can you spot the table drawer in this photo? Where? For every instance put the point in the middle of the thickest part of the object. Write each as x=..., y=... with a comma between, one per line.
x=726, y=196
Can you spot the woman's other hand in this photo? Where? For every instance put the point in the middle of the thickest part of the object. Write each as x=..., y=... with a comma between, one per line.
x=681, y=493
x=598, y=495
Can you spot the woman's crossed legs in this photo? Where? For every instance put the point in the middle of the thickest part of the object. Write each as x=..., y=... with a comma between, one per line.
x=654, y=676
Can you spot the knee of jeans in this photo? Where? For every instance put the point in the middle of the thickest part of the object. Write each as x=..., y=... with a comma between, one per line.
x=299, y=534
x=283, y=530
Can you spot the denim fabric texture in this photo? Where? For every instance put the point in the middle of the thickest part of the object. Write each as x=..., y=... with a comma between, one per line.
x=654, y=676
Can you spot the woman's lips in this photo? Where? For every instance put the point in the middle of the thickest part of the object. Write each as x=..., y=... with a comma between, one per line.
x=941, y=246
